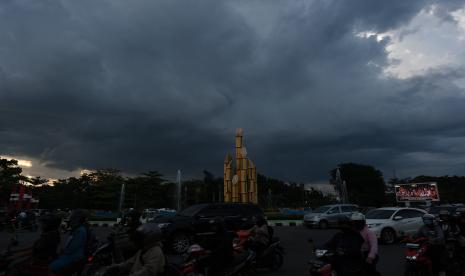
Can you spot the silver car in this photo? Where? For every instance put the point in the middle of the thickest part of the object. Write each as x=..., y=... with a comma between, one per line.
x=329, y=215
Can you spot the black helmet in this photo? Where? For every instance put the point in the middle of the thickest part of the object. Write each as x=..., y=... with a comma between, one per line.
x=444, y=214
x=50, y=222
x=132, y=217
x=428, y=219
x=77, y=218
x=260, y=221
x=344, y=222
x=358, y=220
x=147, y=235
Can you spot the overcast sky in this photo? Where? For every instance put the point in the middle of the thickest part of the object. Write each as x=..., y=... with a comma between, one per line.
x=159, y=85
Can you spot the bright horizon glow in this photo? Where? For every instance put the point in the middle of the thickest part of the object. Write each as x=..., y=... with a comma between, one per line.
x=21, y=162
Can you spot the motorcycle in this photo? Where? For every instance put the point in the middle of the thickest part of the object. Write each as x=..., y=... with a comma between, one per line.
x=272, y=257
x=107, y=254
x=197, y=256
x=417, y=262
x=13, y=261
x=324, y=262
x=454, y=257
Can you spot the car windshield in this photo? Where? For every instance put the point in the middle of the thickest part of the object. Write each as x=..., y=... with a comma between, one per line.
x=191, y=211
x=379, y=214
x=321, y=209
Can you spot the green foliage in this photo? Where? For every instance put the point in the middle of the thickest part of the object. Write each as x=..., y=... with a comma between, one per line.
x=210, y=189
x=10, y=174
x=365, y=184
x=274, y=193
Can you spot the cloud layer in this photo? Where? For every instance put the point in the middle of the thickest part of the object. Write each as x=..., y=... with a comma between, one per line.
x=141, y=85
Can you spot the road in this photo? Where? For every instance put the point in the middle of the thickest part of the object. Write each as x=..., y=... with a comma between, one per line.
x=294, y=240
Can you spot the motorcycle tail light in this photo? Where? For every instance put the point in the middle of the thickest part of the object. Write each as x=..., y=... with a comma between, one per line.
x=325, y=270
x=90, y=259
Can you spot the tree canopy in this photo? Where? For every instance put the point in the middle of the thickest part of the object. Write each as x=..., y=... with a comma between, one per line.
x=365, y=184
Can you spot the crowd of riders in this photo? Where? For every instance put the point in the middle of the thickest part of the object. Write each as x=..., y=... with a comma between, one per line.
x=357, y=246
x=142, y=254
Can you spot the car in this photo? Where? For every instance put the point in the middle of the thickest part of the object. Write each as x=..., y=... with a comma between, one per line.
x=150, y=214
x=195, y=221
x=451, y=208
x=392, y=223
x=329, y=215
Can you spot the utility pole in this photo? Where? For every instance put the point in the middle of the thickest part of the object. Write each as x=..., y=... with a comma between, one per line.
x=178, y=191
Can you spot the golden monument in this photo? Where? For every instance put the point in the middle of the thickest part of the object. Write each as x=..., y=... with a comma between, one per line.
x=240, y=183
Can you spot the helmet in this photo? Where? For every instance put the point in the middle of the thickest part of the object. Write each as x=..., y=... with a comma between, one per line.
x=147, y=235
x=50, y=222
x=358, y=220
x=260, y=221
x=444, y=214
x=132, y=217
x=77, y=218
x=345, y=222
x=428, y=219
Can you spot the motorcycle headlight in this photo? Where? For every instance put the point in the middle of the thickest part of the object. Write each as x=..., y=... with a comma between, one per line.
x=163, y=225
x=320, y=252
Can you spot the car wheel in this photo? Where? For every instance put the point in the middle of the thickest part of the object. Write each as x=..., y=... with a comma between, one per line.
x=323, y=224
x=180, y=243
x=388, y=236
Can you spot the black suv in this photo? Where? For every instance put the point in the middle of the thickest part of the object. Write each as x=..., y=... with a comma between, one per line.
x=196, y=220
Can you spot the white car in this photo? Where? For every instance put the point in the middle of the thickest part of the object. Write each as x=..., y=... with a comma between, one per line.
x=391, y=223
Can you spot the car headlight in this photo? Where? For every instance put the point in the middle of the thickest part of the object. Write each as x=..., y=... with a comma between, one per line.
x=373, y=225
x=163, y=225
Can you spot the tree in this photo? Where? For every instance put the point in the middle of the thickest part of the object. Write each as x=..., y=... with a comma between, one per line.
x=10, y=174
x=365, y=184
x=149, y=190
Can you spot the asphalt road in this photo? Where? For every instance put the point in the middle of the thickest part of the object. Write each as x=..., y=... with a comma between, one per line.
x=294, y=240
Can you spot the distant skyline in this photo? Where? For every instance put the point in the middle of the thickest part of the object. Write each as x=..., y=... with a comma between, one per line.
x=162, y=85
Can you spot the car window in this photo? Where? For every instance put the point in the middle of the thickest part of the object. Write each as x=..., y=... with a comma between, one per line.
x=211, y=211
x=346, y=209
x=252, y=210
x=409, y=213
x=231, y=211
x=334, y=210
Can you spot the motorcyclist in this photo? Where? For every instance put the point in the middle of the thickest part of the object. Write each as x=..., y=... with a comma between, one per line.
x=149, y=259
x=435, y=235
x=44, y=249
x=447, y=224
x=220, y=247
x=461, y=228
x=370, y=244
x=126, y=248
x=260, y=235
x=75, y=247
x=348, y=246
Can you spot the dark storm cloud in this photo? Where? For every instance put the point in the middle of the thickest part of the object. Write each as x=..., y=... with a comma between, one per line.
x=142, y=85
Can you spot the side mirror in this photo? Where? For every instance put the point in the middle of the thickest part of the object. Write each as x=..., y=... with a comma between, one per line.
x=398, y=218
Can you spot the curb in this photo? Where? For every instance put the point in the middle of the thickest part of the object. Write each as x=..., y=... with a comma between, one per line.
x=103, y=224
x=292, y=224
x=271, y=223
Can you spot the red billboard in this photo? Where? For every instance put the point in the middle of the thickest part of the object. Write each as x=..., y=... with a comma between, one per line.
x=417, y=192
